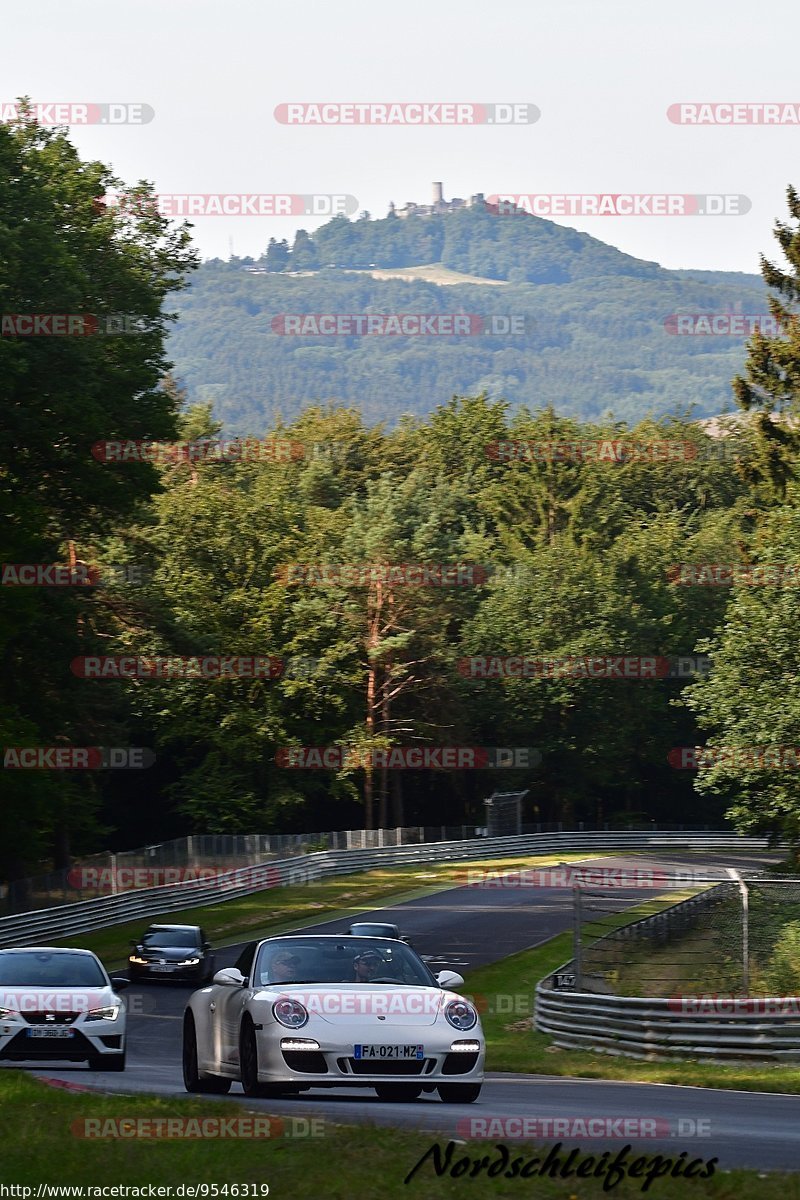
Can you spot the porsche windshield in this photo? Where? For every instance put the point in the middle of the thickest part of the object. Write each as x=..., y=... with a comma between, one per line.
x=340, y=960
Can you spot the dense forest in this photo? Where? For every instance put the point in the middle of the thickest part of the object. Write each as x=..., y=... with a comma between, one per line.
x=213, y=553
x=597, y=338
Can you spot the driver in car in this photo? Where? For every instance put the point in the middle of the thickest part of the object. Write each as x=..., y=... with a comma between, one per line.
x=284, y=967
x=367, y=965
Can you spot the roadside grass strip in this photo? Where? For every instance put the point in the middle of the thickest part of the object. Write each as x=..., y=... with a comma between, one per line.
x=43, y=1145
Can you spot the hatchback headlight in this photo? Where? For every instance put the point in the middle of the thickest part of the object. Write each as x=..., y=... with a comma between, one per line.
x=134, y=958
x=460, y=1014
x=109, y=1013
x=189, y=962
x=290, y=1013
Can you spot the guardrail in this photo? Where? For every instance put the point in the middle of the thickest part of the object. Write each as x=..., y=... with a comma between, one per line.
x=637, y=1027
x=679, y=1027
x=99, y=913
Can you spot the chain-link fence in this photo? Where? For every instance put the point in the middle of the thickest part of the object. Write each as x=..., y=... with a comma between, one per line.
x=111, y=873
x=739, y=936
x=199, y=856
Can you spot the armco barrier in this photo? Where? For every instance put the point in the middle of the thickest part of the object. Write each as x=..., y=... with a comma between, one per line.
x=84, y=916
x=641, y=1028
x=648, y=1028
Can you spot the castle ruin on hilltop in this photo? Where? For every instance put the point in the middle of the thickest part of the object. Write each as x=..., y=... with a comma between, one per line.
x=440, y=205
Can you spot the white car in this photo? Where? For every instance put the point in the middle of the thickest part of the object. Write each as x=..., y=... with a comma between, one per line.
x=58, y=1004
x=321, y=1011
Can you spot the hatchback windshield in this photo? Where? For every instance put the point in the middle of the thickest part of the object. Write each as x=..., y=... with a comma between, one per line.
x=180, y=938
x=365, y=929
x=47, y=968
x=334, y=960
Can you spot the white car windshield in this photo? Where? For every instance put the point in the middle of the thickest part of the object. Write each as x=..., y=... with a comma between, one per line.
x=340, y=960
x=43, y=968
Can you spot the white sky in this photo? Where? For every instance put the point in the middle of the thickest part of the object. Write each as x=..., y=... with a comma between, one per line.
x=603, y=73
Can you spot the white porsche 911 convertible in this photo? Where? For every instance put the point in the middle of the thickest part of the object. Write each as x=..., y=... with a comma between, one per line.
x=321, y=1011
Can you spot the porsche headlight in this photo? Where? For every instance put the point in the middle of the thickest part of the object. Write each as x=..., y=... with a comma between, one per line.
x=290, y=1013
x=460, y=1014
x=109, y=1013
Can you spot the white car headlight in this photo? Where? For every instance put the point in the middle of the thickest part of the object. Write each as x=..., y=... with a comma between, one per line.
x=109, y=1013
x=8, y=1012
x=460, y=1014
x=290, y=1013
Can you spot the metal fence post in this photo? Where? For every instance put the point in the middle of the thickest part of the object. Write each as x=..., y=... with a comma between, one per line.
x=745, y=928
x=577, y=951
x=745, y=939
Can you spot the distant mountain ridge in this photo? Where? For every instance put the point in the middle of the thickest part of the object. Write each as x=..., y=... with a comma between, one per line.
x=597, y=333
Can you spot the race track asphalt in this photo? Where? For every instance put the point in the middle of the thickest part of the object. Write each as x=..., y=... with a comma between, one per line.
x=469, y=927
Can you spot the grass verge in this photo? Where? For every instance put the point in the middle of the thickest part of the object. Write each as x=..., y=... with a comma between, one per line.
x=40, y=1146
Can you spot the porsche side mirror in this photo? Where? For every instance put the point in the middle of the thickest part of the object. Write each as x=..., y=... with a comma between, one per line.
x=230, y=976
x=449, y=979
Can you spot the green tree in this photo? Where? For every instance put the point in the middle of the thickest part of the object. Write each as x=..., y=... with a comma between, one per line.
x=770, y=386
x=63, y=251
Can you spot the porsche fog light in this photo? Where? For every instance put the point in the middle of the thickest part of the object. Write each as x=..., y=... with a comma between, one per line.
x=299, y=1044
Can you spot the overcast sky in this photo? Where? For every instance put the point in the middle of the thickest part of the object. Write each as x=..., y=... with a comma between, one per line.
x=602, y=72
